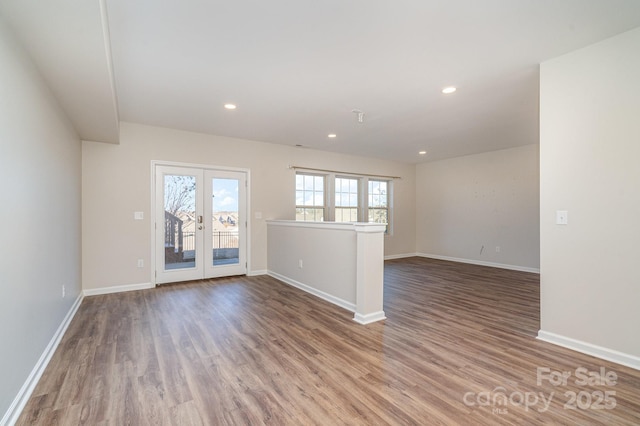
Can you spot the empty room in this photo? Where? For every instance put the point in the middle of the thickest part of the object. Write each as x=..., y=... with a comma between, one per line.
x=320, y=213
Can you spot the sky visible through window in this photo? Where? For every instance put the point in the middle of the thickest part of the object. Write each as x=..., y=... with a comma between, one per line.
x=225, y=195
x=309, y=190
x=180, y=194
x=377, y=193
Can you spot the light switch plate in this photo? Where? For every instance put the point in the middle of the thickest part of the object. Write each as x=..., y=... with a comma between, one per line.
x=562, y=217
x=138, y=215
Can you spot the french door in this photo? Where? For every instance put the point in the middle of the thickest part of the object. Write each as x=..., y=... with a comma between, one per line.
x=200, y=223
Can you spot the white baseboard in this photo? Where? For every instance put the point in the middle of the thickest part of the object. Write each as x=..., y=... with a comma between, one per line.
x=16, y=407
x=321, y=294
x=369, y=318
x=590, y=349
x=257, y=272
x=116, y=289
x=481, y=263
x=400, y=256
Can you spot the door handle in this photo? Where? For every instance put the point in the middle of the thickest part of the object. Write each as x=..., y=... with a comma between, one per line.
x=199, y=219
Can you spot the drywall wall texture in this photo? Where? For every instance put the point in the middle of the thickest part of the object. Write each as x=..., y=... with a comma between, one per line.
x=589, y=151
x=481, y=208
x=117, y=182
x=321, y=258
x=40, y=216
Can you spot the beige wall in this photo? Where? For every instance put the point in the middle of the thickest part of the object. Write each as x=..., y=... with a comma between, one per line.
x=589, y=154
x=117, y=181
x=468, y=206
x=40, y=217
x=328, y=255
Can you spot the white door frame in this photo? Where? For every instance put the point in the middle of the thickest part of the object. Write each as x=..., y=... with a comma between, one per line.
x=205, y=167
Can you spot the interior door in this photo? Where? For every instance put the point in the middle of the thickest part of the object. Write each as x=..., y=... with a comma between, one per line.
x=200, y=223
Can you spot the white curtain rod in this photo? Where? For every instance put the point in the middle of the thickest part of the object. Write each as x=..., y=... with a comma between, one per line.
x=343, y=173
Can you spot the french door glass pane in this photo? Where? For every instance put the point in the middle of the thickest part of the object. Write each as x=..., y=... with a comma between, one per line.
x=179, y=221
x=225, y=221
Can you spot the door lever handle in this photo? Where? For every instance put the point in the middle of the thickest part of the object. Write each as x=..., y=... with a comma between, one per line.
x=199, y=219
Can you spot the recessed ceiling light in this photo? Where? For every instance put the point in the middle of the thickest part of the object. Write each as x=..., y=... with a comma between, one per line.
x=331, y=135
x=448, y=90
x=229, y=106
x=422, y=152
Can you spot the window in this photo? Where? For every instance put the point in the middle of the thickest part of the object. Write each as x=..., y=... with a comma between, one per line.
x=310, y=200
x=343, y=198
x=378, y=205
x=346, y=201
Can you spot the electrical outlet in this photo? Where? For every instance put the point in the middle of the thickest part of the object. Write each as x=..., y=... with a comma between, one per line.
x=300, y=263
x=64, y=291
x=140, y=263
x=497, y=249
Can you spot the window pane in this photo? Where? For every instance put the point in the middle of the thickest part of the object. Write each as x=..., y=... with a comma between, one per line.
x=309, y=214
x=378, y=215
x=315, y=215
x=179, y=217
x=378, y=202
x=346, y=196
x=309, y=197
x=377, y=193
x=224, y=219
x=346, y=214
x=308, y=183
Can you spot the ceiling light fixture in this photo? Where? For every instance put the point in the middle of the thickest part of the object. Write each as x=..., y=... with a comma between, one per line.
x=331, y=135
x=448, y=90
x=422, y=152
x=229, y=106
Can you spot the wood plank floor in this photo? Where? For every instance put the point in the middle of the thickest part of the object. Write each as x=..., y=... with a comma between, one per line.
x=252, y=350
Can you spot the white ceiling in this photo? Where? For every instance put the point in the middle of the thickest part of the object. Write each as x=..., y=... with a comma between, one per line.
x=67, y=41
x=297, y=68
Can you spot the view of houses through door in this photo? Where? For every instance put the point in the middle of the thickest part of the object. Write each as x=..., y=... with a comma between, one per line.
x=200, y=223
